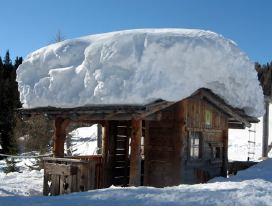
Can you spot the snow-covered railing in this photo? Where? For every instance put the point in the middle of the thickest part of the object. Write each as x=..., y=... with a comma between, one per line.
x=25, y=156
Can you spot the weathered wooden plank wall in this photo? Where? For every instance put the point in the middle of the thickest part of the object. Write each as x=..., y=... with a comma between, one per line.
x=63, y=175
x=162, y=151
x=215, y=134
x=167, y=156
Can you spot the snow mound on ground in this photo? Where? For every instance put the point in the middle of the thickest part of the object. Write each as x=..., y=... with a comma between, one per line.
x=251, y=192
x=138, y=66
x=26, y=182
x=249, y=187
x=261, y=170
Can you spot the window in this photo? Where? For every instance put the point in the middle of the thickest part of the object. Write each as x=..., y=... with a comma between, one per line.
x=195, y=142
x=216, y=153
x=216, y=149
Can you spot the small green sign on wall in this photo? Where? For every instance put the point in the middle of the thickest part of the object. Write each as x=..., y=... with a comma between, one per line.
x=208, y=118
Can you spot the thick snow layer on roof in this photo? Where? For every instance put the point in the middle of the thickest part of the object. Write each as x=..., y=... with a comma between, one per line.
x=138, y=66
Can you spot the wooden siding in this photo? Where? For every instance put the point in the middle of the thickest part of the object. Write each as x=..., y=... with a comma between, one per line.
x=163, y=149
x=167, y=156
x=206, y=167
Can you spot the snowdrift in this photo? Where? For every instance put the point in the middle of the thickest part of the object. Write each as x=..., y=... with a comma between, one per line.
x=250, y=187
x=82, y=141
x=138, y=66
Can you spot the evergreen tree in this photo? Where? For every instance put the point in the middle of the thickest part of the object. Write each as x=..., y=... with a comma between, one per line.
x=265, y=77
x=1, y=96
x=9, y=101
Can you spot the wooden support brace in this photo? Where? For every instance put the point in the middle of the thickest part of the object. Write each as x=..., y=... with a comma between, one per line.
x=225, y=153
x=135, y=155
x=60, y=136
x=105, y=154
x=265, y=129
x=99, y=138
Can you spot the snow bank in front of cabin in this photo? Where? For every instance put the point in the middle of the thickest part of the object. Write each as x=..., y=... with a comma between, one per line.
x=138, y=66
x=262, y=170
x=251, y=192
x=250, y=187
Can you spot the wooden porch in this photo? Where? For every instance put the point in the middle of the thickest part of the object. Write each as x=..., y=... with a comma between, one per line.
x=120, y=161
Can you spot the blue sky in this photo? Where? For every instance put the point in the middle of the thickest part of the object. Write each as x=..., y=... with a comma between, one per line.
x=27, y=25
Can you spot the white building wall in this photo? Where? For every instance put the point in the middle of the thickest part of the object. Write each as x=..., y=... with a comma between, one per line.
x=238, y=141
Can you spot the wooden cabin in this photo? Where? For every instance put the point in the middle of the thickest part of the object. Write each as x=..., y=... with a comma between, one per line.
x=158, y=144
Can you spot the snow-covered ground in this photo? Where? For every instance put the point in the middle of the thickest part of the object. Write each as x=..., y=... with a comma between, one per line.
x=25, y=182
x=250, y=187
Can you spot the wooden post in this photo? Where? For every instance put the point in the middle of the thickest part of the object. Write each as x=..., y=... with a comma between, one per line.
x=146, y=154
x=225, y=152
x=59, y=136
x=265, y=129
x=105, y=153
x=99, y=138
x=135, y=154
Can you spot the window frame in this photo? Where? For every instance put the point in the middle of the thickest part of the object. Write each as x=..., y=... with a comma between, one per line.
x=214, y=146
x=200, y=145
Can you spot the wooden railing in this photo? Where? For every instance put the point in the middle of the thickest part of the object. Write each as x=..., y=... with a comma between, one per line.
x=72, y=174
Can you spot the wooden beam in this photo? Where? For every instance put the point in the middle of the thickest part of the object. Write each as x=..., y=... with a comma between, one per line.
x=232, y=125
x=66, y=160
x=146, y=155
x=135, y=155
x=101, y=112
x=105, y=153
x=151, y=109
x=109, y=117
x=225, y=153
x=60, y=169
x=265, y=129
x=99, y=138
x=60, y=136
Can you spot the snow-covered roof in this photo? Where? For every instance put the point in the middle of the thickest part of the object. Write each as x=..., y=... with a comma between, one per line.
x=137, y=67
x=101, y=112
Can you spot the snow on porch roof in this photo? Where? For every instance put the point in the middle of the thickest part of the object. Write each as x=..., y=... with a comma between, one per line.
x=99, y=112
x=139, y=66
